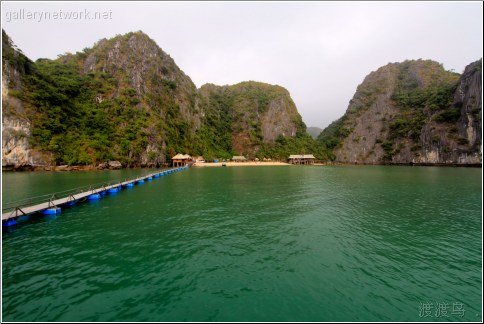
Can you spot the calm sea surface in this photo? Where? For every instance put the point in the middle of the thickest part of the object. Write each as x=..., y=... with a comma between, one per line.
x=251, y=244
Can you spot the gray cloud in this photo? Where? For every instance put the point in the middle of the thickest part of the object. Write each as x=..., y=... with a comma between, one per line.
x=319, y=51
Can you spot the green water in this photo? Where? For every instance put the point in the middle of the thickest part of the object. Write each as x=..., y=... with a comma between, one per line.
x=21, y=185
x=254, y=244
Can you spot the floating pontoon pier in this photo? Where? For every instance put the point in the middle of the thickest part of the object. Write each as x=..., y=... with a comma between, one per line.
x=52, y=203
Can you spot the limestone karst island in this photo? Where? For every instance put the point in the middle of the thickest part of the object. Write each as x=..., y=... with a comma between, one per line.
x=125, y=100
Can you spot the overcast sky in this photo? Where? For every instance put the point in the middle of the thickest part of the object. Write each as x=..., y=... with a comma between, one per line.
x=319, y=51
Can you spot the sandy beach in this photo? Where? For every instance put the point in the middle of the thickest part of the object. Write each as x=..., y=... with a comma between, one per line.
x=237, y=164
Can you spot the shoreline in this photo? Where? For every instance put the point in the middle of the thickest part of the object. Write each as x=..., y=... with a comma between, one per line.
x=237, y=164
x=411, y=164
x=65, y=168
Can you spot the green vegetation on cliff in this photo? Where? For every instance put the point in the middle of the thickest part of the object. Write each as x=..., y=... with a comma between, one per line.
x=301, y=144
x=331, y=137
x=14, y=57
x=419, y=101
x=411, y=112
x=241, y=120
x=126, y=100
x=416, y=101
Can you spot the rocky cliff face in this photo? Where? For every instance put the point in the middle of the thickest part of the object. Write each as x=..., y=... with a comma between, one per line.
x=154, y=85
x=17, y=152
x=252, y=113
x=125, y=99
x=138, y=63
x=412, y=112
x=16, y=127
x=468, y=97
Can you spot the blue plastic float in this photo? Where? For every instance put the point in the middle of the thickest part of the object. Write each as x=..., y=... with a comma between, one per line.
x=9, y=222
x=51, y=211
x=94, y=197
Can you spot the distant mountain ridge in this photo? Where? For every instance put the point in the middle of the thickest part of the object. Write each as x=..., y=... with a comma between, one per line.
x=314, y=131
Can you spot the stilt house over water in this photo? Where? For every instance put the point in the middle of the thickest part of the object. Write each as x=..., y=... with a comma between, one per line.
x=305, y=159
x=181, y=160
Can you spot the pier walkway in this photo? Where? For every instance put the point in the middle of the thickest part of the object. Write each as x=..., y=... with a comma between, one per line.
x=54, y=201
